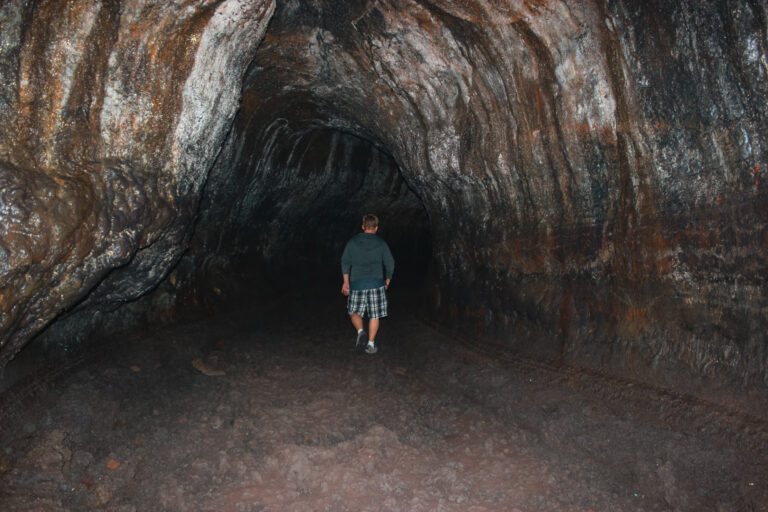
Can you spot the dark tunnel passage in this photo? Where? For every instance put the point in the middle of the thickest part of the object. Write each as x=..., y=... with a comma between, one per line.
x=574, y=193
x=283, y=214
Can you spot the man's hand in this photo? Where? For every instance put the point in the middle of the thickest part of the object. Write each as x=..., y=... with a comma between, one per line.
x=386, y=286
x=345, y=286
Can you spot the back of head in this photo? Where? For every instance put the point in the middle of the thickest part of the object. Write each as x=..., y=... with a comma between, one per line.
x=370, y=221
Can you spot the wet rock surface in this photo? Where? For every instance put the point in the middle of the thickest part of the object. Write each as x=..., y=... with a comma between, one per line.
x=590, y=176
x=299, y=421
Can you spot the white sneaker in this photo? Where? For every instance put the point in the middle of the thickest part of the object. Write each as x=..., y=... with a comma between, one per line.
x=371, y=349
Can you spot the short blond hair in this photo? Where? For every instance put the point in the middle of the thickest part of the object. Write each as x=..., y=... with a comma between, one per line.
x=370, y=221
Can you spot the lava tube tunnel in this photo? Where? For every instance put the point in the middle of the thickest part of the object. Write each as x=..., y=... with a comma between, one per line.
x=574, y=194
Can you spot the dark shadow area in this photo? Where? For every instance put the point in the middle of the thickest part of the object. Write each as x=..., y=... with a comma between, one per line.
x=276, y=214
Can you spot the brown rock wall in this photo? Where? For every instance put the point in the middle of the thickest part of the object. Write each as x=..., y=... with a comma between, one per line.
x=100, y=173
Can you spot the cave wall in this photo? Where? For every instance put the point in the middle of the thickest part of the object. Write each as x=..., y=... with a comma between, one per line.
x=112, y=113
x=592, y=171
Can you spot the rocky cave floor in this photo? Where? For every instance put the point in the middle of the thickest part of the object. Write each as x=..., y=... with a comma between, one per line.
x=275, y=411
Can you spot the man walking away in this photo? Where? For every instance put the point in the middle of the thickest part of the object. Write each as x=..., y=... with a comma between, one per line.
x=367, y=265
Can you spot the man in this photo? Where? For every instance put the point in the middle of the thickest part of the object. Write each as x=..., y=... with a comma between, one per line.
x=367, y=265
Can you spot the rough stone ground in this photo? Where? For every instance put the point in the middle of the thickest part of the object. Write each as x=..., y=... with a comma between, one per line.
x=299, y=421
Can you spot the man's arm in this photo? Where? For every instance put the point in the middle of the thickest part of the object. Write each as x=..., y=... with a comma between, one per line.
x=346, y=268
x=389, y=266
x=345, y=285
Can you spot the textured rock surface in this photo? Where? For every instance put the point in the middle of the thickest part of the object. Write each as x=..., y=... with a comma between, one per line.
x=592, y=172
x=112, y=113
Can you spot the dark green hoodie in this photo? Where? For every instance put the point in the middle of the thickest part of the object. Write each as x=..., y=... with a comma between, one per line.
x=368, y=261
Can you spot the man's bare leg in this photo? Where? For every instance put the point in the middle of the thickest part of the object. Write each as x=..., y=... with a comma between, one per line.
x=361, y=340
x=357, y=321
x=373, y=328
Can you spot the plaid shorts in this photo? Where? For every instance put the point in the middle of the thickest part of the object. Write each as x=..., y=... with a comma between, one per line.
x=373, y=301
